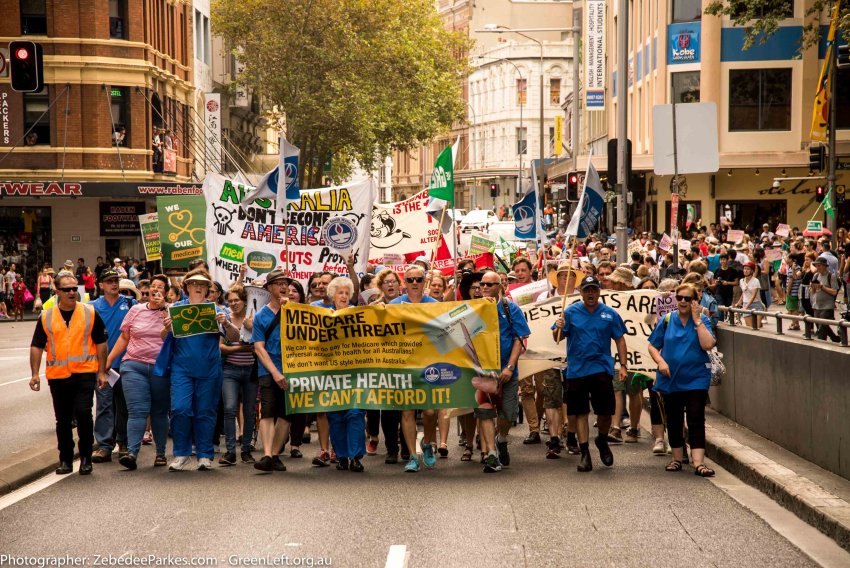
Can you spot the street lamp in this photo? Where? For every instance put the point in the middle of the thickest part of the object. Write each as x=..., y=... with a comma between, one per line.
x=521, y=104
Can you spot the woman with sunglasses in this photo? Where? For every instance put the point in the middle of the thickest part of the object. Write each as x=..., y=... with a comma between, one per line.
x=145, y=393
x=679, y=345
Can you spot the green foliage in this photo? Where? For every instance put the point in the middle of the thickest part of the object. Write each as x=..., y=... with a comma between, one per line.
x=356, y=79
x=761, y=18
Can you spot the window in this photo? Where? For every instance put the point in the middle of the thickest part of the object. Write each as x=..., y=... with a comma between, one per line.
x=551, y=144
x=521, y=91
x=34, y=105
x=740, y=8
x=686, y=10
x=759, y=99
x=521, y=141
x=685, y=87
x=118, y=98
x=843, y=100
x=199, y=40
x=117, y=10
x=555, y=91
x=207, y=50
x=33, y=17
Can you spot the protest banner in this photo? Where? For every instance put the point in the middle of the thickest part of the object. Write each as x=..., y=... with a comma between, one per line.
x=527, y=293
x=734, y=235
x=480, y=244
x=323, y=228
x=149, y=224
x=182, y=232
x=684, y=245
x=773, y=255
x=402, y=228
x=666, y=242
x=635, y=246
x=783, y=230
x=192, y=319
x=397, y=357
x=636, y=307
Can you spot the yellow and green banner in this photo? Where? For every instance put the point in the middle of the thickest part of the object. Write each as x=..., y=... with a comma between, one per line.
x=192, y=319
x=394, y=357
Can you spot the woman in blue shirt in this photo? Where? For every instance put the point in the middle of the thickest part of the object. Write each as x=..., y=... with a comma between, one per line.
x=679, y=346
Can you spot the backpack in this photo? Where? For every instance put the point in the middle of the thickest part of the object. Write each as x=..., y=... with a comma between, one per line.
x=715, y=359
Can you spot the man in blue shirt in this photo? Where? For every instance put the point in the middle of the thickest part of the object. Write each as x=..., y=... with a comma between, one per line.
x=589, y=326
x=110, y=425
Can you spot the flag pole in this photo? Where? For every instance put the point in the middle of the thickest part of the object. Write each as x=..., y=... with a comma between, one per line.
x=569, y=274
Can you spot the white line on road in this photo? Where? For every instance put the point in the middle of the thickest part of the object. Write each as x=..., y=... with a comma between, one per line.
x=34, y=487
x=17, y=381
x=397, y=556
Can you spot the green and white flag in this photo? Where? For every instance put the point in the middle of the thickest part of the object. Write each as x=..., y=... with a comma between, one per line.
x=827, y=205
x=442, y=184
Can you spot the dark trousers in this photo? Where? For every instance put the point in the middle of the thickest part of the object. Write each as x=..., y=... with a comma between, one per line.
x=373, y=423
x=121, y=413
x=390, y=423
x=825, y=331
x=73, y=399
x=676, y=404
x=297, y=423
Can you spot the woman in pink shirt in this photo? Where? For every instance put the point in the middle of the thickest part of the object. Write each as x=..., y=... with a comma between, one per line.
x=146, y=394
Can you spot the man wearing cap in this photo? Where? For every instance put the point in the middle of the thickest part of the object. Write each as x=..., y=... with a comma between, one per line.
x=824, y=288
x=74, y=336
x=118, y=266
x=589, y=326
x=274, y=425
x=110, y=425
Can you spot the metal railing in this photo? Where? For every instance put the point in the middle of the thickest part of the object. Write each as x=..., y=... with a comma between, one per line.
x=809, y=322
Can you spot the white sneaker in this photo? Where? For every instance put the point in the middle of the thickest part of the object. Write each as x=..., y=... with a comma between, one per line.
x=204, y=464
x=660, y=448
x=179, y=463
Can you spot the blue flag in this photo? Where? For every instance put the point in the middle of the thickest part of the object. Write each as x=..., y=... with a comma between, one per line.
x=525, y=217
x=586, y=217
x=268, y=186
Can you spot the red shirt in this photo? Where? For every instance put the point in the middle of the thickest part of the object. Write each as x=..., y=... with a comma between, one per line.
x=88, y=281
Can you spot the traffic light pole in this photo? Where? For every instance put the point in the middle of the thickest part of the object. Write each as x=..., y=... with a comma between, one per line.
x=622, y=133
x=832, y=220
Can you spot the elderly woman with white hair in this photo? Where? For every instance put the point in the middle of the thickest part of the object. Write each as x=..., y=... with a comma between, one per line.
x=347, y=427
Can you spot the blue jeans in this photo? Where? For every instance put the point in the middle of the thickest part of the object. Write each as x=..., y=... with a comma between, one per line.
x=107, y=423
x=194, y=409
x=348, y=433
x=237, y=380
x=147, y=395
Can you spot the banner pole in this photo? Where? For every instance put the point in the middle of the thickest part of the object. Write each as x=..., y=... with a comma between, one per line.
x=569, y=274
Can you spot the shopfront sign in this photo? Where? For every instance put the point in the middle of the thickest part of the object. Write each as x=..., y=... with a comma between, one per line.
x=120, y=218
x=23, y=188
x=683, y=43
x=11, y=109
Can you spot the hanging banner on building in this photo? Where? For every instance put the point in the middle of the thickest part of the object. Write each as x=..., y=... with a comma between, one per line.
x=398, y=357
x=149, y=224
x=594, y=60
x=636, y=307
x=323, y=228
x=120, y=218
x=181, y=230
x=403, y=227
x=212, y=131
x=169, y=162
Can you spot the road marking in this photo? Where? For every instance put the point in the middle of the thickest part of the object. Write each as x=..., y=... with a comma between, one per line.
x=17, y=381
x=34, y=487
x=397, y=557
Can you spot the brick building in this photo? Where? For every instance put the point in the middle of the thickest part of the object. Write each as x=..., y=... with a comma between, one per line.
x=115, y=73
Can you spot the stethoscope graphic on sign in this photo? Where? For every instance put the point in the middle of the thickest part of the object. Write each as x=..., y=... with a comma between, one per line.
x=195, y=314
x=179, y=216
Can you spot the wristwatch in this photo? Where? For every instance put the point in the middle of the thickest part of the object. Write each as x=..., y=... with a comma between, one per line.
x=510, y=367
x=697, y=324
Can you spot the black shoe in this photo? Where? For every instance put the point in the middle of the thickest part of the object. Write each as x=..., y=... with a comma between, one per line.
x=265, y=464
x=532, y=438
x=228, y=459
x=355, y=466
x=295, y=453
x=604, y=451
x=405, y=456
x=391, y=459
x=247, y=457
x=504, y=456
x=342, y=464
x=278, y=465
x=586, y=463
x=64, y=468
x=305, y=439
x=85, y=466
x=572, y=446
x=128, y=461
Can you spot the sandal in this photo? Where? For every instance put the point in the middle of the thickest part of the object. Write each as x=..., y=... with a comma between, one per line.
x=467, y=455
x=160, y=461
x=703, y=470
x=443, y=450
x=674, y=465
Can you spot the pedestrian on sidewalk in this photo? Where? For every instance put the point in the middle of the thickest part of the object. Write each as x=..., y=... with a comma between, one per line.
x=679, y=345
x=74, y=336
x=824, y=289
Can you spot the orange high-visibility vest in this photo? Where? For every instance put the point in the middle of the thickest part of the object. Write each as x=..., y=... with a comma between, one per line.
x=70, y=348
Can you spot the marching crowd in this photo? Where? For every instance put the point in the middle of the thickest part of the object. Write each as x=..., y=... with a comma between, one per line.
x=119, y=350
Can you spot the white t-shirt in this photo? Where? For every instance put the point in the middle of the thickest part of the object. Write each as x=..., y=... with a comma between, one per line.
x=749, y=291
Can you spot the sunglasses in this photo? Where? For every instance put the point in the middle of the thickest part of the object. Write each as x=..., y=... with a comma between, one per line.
x=69, y=290
x=126, y=293
x=684, y=298
x=417, y=279
x=314, y=285
x=488, y=284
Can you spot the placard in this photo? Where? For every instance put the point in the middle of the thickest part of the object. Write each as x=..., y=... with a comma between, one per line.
x=734, y=235
x=149, y=224
x=193, y=319
x=182, y=230
x=783, y=230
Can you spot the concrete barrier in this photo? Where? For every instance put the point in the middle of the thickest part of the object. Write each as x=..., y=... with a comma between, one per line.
x=793, y=392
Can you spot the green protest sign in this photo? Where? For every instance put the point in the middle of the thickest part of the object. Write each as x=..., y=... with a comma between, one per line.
x=149, y=224
x=193, y=319
x=480, y=244
x=182, y=228
x=814, y=227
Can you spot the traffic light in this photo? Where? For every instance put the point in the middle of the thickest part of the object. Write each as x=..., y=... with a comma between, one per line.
x=612, y=161
x=494, y=190
x=26, y=66
x=572, y=187
x=817, y=157
x=820, y=193
x=844, y=56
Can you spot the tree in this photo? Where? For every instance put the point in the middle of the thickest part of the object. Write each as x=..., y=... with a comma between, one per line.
x=761, y=18
x=356, y=79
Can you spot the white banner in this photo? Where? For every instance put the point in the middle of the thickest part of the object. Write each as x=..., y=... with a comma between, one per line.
x=636, y=307
x=594, y=60
x=403, y=228
x=323, y=228
x=212, y=131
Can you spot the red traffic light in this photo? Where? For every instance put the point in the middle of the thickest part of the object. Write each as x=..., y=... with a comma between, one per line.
x=22, y=53
x=573, y=178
